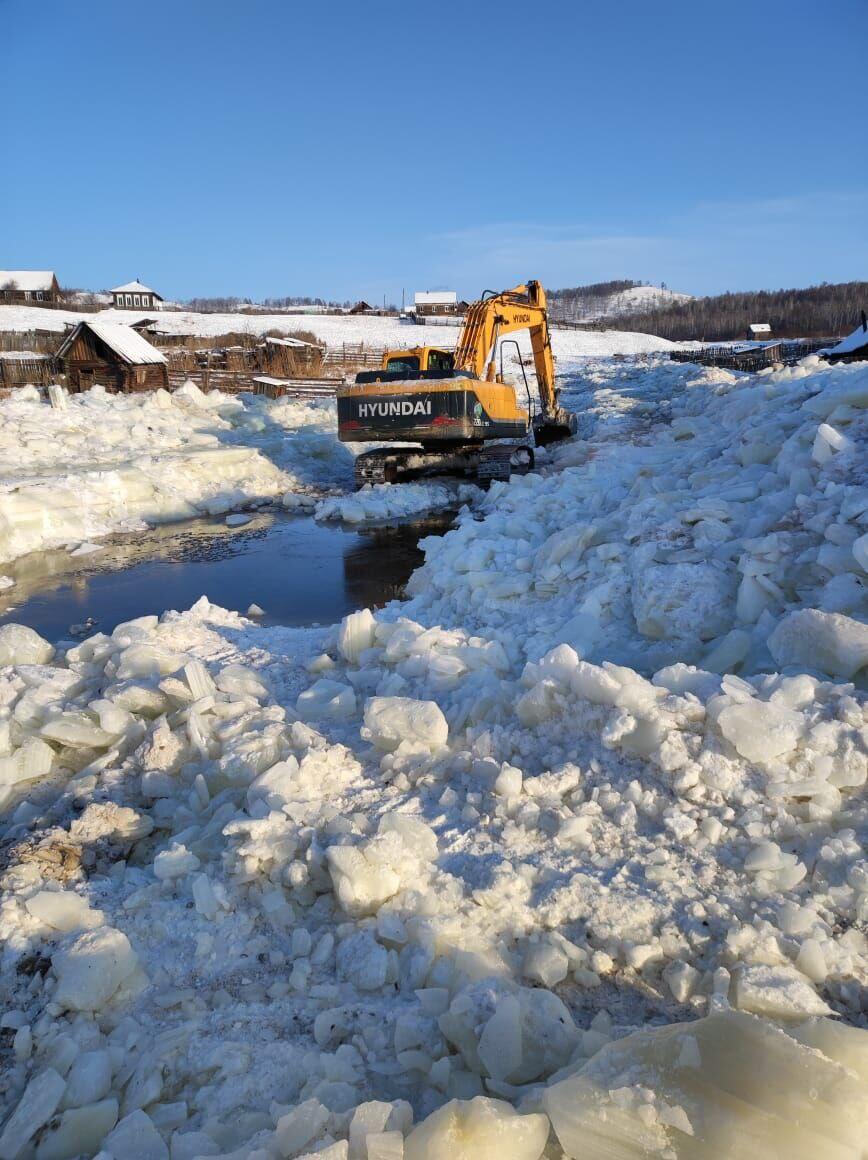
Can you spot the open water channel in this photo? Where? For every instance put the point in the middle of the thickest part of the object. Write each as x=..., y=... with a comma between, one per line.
x=298, y=571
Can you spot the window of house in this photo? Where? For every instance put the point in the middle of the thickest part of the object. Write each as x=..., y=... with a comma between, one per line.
x=26, y=295
x=129, y=299
x=145, y=301
x=39, y=295
x=136, y=300
x=140, y=374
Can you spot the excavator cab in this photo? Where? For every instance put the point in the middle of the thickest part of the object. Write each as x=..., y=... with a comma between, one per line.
x=414, y=362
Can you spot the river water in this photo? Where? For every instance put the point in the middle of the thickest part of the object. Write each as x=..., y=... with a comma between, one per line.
x=299, y=572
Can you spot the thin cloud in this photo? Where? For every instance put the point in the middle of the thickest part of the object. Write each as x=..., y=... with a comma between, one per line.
x=710, y=246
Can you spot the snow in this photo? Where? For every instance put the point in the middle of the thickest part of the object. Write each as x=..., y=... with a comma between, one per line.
x=334, y=330
x=435, y=298
x=28, y=279
x=132, y=286
x=634, y=299
x=543, y=853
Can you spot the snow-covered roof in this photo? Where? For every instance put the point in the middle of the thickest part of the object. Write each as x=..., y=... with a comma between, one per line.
x=127, y=343
x=133, y=288
x=854, y=341
x=760, y=328
x=435, y=298
x=28, y=279
x=288, y=341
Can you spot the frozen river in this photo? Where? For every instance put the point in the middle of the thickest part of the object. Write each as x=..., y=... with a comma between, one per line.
x=298, y=571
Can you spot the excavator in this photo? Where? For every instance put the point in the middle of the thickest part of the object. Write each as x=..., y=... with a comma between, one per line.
x=455, y=406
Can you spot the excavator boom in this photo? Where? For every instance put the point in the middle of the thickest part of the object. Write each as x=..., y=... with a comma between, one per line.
x=522, y=308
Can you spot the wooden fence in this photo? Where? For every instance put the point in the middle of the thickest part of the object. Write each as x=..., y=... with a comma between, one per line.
x=752, y=358
x=40, y=341
x=17, y=372
x=354, y=355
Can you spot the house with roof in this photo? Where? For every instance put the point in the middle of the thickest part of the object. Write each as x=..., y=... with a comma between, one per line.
x=17, y=286
x=853, y=348
x=759, y=332
x=433, y=302
x=136, y=296
x=111, y=355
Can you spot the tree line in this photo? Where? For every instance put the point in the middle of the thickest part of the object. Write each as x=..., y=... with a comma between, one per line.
x=823, y=311
x=226, y=305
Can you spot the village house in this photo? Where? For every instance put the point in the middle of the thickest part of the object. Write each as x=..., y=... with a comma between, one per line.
x=18, y=286
x=759, y=332
x=434, y=302
x=853, y=348
x=113, y=356
x=135, y=296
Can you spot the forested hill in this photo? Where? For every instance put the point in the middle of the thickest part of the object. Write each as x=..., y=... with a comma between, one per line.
x=814, y=312
x=607, y=299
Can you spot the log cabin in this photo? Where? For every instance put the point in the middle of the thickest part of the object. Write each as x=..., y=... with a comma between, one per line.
x=113, y=356
x=18, y=286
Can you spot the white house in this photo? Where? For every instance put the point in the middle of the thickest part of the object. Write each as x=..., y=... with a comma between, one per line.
x=135, y=296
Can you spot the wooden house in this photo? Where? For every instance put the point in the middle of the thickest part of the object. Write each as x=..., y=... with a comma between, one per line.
x=113, y=356
x=759, y=332
x=135, y=296
x=17, y=286
x=361, y=307
x=853, y=348
x=434, y=302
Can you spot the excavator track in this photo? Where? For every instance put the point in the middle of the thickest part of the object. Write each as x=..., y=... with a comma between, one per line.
x=496, y=461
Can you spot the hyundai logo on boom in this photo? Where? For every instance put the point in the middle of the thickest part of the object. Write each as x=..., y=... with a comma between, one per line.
x=394, y=407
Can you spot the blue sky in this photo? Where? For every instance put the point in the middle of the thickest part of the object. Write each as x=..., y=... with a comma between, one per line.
x=354, y=150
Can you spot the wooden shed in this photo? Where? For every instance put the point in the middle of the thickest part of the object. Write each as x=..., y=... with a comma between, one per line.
x=759, y=332
x=18, y=286
x=113, y=356
x=135, y=296
x=287, y=357
x=361, y=307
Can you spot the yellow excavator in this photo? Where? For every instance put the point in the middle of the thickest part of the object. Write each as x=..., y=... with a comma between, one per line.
x=455, y=405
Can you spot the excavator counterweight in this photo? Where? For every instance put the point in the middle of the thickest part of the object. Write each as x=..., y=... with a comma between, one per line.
x=455, y=405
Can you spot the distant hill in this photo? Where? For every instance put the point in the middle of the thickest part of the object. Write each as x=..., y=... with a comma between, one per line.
x=600, y=300
x=823, y=311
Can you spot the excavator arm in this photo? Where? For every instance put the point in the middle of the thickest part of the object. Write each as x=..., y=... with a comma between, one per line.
x=522, y=308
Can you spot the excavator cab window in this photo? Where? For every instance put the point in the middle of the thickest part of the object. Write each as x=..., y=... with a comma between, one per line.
x=404, y=363
x=440, y=360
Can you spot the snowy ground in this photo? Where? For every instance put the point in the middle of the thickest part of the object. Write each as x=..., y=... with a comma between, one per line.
x=332, y=329
x=538, y=860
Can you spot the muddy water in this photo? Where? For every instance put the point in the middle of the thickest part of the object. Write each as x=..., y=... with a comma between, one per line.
x=298, y=571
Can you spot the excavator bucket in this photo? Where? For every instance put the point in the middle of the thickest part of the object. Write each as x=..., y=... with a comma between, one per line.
x=552, y=429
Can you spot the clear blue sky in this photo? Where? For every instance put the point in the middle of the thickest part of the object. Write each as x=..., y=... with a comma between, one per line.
x=262, y=148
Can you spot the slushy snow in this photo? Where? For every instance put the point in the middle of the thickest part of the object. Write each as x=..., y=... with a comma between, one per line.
x=564, y=856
